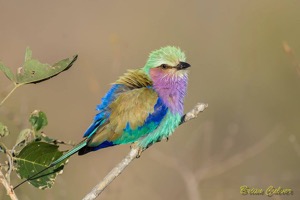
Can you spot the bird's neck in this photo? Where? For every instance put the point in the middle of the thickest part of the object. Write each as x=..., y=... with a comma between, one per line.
x=171, y=88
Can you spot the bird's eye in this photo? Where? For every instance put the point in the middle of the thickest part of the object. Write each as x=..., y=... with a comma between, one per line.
x=164, y=66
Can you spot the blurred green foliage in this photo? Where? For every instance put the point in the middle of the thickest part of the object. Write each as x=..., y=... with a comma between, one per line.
x=33, y=150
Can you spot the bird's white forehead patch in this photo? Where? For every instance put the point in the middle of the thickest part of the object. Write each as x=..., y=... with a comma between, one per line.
x=167, y=55
x=170, y=56
x=172, y=63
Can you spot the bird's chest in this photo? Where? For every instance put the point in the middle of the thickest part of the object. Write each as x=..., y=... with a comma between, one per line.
x=172, y=91
x=173, y=98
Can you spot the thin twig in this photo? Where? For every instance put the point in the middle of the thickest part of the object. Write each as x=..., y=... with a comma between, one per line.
x=10, y=165
x=116, y=171
x=193, y=178
x=289, y=51
x=217, y=168
x=187, y=174
x=295, y=144
x=10, y=191
x=15, y=87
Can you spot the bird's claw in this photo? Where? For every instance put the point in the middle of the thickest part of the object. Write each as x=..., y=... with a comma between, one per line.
x=140, y=149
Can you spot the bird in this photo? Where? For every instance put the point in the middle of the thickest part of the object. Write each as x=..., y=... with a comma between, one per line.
x=143, y=106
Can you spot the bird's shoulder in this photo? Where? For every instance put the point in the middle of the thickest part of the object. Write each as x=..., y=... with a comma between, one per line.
x=137, y=101
x=134, y=79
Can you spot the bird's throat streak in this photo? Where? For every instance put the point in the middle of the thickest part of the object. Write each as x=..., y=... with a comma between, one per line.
x=171, y=87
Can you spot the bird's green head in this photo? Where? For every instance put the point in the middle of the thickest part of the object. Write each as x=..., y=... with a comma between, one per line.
x=167, y=58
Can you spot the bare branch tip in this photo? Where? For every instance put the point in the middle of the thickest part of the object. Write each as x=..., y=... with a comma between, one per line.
x=286, y=48
x=201, y=106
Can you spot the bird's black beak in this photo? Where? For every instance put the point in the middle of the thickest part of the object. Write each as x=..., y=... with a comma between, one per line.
x=183, y=65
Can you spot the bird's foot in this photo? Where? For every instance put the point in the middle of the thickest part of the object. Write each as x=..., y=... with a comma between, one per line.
x=160, y=139
x=140, y=149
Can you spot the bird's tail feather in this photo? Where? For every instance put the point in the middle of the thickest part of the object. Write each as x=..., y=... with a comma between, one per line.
x=69, y=153
x=60, y=159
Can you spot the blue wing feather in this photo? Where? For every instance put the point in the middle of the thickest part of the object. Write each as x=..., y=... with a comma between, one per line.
x=104, y=112
x=151, y=123
x=153, y=120
x=160, y=110
x=93, y=128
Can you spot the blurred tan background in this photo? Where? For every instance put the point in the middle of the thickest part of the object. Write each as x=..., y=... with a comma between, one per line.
x=249, y=135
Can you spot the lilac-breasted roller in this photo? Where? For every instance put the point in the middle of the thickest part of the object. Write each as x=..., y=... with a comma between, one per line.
x=143, y=106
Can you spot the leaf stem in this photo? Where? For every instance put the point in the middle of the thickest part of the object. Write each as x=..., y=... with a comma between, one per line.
x=15, y=87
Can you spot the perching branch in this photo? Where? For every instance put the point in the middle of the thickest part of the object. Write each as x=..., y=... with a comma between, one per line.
x=134, y=152
x=199, y=107
x=10, y=191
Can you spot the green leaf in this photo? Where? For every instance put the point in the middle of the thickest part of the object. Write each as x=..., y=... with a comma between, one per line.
x=3, y=130
x=35, y=157
x=24, y=137
x=8, y=73
x=38, y=120
x=34, y=72
x=28, y=54
x=47, y=139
